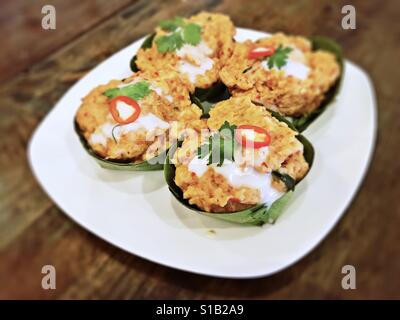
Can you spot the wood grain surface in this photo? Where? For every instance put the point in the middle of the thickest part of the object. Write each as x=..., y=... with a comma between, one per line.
x=27, y=43
x=34, y=232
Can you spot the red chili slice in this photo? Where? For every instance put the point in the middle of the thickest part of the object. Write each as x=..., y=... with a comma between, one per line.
x=234, y=200
x=261, y=52
x=114, y=110
x=255, y=144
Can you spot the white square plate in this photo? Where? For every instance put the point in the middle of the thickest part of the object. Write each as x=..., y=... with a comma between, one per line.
x=135, y=211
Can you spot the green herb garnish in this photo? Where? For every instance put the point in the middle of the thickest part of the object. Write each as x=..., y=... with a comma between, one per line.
x=191, y=34
x=135, y=91
x=279, y=58
x=169, y=43
x=180, y=33
x=172, y=24
x=220, y=145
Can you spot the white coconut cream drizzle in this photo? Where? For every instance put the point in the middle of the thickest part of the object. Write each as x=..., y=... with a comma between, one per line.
x=252, y=157
x=199, y=54
x=198, y=166
x=238, y=176
x=295, y=65
x=160, y=91
x=148, y=122
x=101, y=135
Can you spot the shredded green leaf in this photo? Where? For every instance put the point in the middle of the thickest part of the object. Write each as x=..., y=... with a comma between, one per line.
x=180, y=33
x=220, y=146
x=279, y=58
x=136, y=91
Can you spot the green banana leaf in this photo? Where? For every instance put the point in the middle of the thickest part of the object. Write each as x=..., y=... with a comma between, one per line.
x=145, y=45
x=257, y=215
x=215, y=93
x=205, y=99
x=326, y=44
x=153, y=164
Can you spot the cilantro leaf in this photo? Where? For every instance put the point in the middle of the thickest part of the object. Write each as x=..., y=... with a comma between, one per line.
x=180, y=33
x=135, y=91
x=172, y=24
x=279, y=58
x=169, y=43
x=192, y=33
x=165, y=44
x=220, y=146
x=177, y=38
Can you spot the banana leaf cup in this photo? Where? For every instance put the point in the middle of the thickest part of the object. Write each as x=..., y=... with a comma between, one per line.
x=147, y=42
x=325, y=44
x=153, y=164
x=207, y=98
x=204, y=98
x=257, y=215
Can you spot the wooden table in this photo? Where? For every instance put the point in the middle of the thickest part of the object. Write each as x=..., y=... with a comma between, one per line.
x=38, y=66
